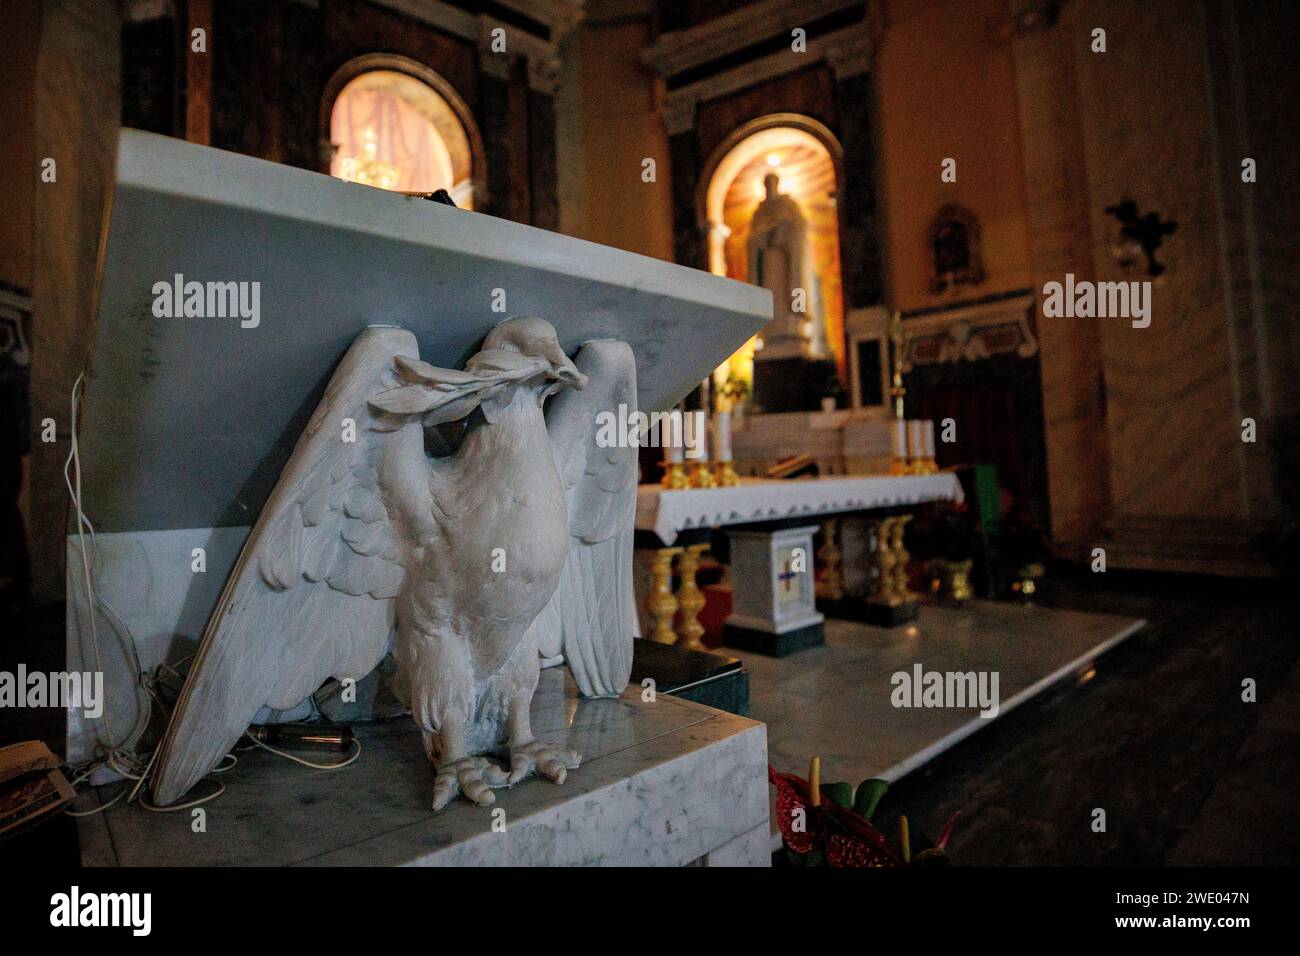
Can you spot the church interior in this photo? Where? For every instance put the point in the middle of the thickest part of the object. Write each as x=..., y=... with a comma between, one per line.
x=969, y=529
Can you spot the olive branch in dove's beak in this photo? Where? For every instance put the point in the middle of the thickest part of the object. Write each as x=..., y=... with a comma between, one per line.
x=445, y=395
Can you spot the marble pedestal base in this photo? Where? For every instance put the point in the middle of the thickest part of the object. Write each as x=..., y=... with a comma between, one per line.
x=772, y=579
x=772, y=643
x=666, y=783
x=869, y=612
x=781, y=384
x=790, y=383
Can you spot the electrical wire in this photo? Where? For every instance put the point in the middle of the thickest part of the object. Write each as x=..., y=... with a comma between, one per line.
x=126, y=763
x=307, y=763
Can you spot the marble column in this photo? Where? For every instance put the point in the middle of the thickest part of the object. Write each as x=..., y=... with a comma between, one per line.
x=1164, y=121
x=1251, y=56
x=689, y=240
x=198, y=71
x=303, y=63
x=78, y=108
x=543, y=83
x=860, y=226
x=1060, y=238
x=542, y=167
x=494, y=126
x=150, y=53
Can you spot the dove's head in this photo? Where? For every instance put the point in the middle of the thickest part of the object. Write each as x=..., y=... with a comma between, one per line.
x=533, y=338
x=517, y=354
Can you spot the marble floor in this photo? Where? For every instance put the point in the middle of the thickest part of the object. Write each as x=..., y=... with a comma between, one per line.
x=835, y=700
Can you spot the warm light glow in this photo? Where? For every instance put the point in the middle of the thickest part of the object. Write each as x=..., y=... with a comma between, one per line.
x=394, y=132
x=367, y=168
x=734, y=192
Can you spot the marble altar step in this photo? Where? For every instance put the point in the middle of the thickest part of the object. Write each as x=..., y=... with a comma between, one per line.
x=834, y=700
x=667, y=783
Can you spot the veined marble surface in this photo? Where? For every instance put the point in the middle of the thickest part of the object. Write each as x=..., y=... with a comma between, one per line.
x=667, y=783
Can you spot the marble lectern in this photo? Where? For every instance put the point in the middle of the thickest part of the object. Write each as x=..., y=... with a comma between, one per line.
x=229, y=290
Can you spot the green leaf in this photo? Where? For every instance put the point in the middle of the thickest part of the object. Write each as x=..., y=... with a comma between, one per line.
x=839, y=793
x=868, y=796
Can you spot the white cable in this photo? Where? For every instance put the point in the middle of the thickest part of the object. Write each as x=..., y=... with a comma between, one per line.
x=74, y=459
x=221, y=788
x=121, y=761
x=125, y=763
x=99, y=809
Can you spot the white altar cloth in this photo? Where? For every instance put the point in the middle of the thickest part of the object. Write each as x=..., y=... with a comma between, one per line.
x=667, y=513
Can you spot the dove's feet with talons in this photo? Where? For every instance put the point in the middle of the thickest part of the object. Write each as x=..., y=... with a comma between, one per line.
x=475, y=777
x=536, y=757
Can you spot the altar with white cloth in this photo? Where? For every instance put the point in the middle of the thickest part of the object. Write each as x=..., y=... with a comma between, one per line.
x=673, y=525
x=668, y=513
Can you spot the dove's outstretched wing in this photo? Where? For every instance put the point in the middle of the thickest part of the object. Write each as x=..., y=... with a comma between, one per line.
x=312, y=594
x=592, y=617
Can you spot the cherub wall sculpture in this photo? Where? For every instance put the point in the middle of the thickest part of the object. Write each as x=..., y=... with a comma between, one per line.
x=473, y=566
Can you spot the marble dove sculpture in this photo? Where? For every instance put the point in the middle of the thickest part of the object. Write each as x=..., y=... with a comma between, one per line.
x=473, y=567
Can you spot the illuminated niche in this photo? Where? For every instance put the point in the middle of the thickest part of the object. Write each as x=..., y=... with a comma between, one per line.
x=805, y=157
x=394, y=130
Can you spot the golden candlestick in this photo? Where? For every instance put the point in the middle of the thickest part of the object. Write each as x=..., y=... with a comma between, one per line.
x=675, y=477
x=724, y=475
x=662, y=603
x=896, y=337
x=690, y=599
x=901, y=464
x=702, y=477
x=831, y=585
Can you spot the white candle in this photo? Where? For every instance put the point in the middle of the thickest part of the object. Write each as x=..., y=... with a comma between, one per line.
x=900, y=439
x=722, y=435
x=928, y=434
x=914, y=438
x=697, y=436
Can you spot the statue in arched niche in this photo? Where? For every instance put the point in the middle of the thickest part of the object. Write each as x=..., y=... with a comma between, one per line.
x=777, y=254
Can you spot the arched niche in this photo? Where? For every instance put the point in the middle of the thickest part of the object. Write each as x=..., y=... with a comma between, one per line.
x=808, y=160
x=394, y=123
